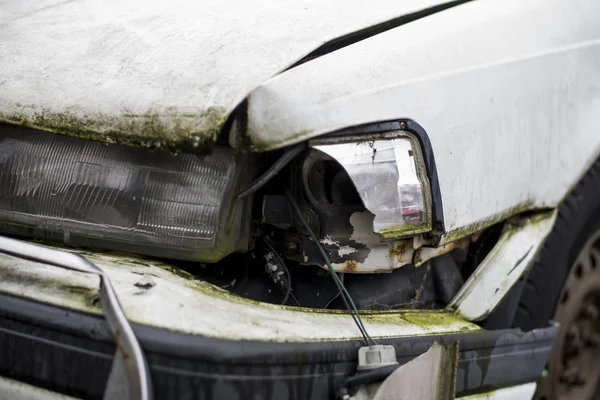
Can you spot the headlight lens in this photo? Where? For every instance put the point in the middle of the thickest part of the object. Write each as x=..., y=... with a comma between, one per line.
x=117, y=197
x=390, y=177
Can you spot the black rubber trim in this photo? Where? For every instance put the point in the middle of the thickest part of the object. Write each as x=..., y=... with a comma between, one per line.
x=370, y=31
x=420, y=133
x=71, y=353
x=577, y=219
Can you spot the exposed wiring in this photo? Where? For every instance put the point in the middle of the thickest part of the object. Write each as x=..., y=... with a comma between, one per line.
x=340, y=285
x=289, y=293
x=271, y=248
x=336, y=295
x=289, y=154
x=295, y=300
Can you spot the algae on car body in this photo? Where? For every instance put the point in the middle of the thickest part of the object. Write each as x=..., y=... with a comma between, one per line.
x=172, y=131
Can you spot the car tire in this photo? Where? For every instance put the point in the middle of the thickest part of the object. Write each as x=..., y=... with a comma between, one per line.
x=558, y=287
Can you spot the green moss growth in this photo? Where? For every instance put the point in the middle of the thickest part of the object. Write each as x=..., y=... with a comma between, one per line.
x=475, y=228
x=425, y=319
x=175, y=271
x=79, y=294
x=154, y=130
x=89, y=296
x=403, y=231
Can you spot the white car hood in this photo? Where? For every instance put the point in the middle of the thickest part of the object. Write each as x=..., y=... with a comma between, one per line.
x=159, y=73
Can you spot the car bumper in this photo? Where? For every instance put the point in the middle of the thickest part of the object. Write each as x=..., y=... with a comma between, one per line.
x=71, y=353
x=201, y=341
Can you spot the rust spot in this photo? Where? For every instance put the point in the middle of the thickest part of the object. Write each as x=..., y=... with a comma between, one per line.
x=27, y=124
x=464, y=243
x=398, y=249
x=350, y=265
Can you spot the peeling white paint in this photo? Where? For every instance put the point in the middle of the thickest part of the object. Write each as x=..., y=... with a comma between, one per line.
x=345, y=250
x=502, y=267
x=382, y=257
x=329, y=241
x=341, y=250
x=196, y=307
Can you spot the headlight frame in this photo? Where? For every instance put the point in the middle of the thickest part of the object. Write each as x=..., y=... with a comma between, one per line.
x=361, y=155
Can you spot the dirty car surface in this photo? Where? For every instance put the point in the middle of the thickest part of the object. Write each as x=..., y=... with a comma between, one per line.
x=223, y=200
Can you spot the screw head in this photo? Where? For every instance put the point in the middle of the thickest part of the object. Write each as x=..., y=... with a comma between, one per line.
x=292, y=246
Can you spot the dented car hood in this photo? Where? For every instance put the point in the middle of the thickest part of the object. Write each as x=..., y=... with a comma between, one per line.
x=159, y=73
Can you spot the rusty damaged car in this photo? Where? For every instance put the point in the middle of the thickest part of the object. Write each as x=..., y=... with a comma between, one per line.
x=299, y=199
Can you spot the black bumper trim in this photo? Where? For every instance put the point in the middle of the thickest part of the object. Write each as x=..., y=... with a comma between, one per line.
x=71, y=353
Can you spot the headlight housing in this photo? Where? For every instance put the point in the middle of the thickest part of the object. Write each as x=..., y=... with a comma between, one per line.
x=155, y=203
x=389, y=174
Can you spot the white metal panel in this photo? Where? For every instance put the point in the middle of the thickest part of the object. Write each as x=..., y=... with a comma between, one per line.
x=165, y=300
x=502, y=267
x=158, y=69
x=508, y=92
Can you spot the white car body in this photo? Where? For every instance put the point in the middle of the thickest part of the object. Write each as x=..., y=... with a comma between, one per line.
x=182, y=65
x=508, y=93
x=506, y=138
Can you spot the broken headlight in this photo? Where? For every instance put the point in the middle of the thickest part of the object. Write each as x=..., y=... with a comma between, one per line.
x=390, y=178
x=123, y=198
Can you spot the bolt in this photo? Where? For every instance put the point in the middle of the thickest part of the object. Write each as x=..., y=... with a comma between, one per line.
x=292, y=246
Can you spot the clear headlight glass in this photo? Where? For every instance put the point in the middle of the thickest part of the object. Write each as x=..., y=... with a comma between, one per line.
x=116, y=197
x=390, y=177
